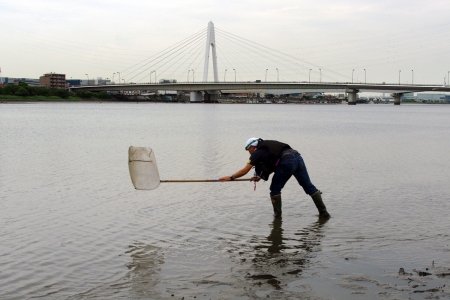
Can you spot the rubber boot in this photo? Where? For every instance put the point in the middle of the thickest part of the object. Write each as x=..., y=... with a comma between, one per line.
x=317, y=198
x=276, y=203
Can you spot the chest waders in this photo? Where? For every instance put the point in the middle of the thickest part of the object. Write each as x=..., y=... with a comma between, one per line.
x=317, y=198
x=275, y=149
x=264, y=168
x=276, y=203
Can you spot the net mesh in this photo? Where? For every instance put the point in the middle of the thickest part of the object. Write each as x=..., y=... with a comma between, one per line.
x=143, y=168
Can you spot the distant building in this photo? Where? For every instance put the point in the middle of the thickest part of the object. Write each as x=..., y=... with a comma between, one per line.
x=53, y=80
x=80, y=82
x=101, y=81
x=29, y=81
x=88, y=82
x=409, y=97
x=74, y=82
x=429, y=97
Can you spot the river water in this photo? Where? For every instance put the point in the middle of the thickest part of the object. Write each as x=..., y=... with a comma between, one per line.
x=73, y=227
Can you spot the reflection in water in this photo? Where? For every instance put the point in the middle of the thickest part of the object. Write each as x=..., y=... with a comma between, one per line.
x=144, y=270
x=276, y=236
x=310, y=236
x=283, y=256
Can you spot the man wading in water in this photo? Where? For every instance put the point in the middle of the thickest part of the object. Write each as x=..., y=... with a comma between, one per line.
x=273, y=156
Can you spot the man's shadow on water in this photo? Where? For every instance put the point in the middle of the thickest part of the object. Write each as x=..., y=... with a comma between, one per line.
x=286, y=255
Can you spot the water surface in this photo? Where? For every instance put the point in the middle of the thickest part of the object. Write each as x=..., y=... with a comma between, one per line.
x=73, y=227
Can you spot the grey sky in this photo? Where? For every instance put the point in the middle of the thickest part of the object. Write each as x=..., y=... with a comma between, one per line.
x=100, y=37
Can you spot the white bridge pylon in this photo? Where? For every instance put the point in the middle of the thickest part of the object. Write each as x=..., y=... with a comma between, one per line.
x=210, y=43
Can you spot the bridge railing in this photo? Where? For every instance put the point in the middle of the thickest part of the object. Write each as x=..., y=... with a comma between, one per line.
x=276, y=82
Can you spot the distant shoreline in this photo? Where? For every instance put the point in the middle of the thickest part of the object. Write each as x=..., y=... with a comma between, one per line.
x=7, y=99
x=175, y=102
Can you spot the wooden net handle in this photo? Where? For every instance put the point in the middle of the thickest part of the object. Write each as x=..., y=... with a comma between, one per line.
x=203, y=180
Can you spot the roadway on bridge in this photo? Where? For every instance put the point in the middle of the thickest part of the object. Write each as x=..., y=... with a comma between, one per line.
x=290, y=87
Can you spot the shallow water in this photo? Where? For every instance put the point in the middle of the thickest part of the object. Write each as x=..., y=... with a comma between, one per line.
x=73, y=227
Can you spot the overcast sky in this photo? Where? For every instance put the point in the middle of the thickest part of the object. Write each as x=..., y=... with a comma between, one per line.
x=393, y=40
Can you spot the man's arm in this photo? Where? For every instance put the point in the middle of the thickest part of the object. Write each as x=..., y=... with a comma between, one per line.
x=238, y=174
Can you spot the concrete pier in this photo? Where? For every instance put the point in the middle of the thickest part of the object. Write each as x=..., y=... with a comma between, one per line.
x=397, y=97
x=196, y=97
x=211, y=96
x=352, y=95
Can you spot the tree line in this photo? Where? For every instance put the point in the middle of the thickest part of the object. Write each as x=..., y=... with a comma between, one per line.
x=24, y=90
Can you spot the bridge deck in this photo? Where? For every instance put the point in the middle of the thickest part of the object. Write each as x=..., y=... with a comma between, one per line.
x=260, y=87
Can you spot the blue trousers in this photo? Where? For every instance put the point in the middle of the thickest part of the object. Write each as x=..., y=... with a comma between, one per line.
x=291, y=164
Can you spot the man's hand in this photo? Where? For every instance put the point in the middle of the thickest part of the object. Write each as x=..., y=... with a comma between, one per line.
x=255, y=179
x=237, y=174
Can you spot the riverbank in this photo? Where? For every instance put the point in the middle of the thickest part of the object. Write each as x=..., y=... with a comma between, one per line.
x=103, y=98
x=13, y=98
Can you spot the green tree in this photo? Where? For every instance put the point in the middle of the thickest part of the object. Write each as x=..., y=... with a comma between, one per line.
x=63, y=93
x=22, y=92
x=42, y=91
x=31, y=90
x=84, y=94
x=102, y=95
x=10, y=89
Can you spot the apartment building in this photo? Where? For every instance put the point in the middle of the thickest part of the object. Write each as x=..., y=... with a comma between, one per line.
x=53, y=80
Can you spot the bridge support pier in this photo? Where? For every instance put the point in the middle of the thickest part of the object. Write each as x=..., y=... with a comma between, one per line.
x=196, y=97
x=211, y=96
x=352, y=95
x=397, y=98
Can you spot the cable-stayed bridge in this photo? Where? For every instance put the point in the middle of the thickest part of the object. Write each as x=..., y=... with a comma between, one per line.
x=244, y=65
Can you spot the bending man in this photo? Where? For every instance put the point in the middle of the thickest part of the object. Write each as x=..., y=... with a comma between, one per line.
x=275, y=157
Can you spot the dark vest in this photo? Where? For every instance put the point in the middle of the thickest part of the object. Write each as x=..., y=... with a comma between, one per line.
x=275, y=148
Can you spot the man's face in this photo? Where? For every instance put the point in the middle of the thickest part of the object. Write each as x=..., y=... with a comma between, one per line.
x=251, y=149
